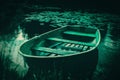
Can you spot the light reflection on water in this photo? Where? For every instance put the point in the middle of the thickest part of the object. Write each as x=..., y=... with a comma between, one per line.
x=12, y=61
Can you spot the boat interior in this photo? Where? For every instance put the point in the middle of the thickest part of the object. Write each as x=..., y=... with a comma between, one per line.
x=70, y=40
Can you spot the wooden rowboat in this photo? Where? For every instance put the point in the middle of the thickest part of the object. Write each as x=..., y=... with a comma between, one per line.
x=65, y=47
x=62, y=42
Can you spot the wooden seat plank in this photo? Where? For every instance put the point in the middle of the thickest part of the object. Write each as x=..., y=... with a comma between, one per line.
x=71, y=41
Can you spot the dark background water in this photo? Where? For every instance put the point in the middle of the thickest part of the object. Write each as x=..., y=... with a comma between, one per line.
x=26, y=14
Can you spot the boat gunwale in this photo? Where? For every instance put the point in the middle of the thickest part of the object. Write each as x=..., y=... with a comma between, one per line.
x=68, y=55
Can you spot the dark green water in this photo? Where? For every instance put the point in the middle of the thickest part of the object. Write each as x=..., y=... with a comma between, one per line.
x=14, y=67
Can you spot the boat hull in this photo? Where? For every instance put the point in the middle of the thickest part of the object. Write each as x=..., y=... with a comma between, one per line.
x=74, y=65
x=83, y=64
